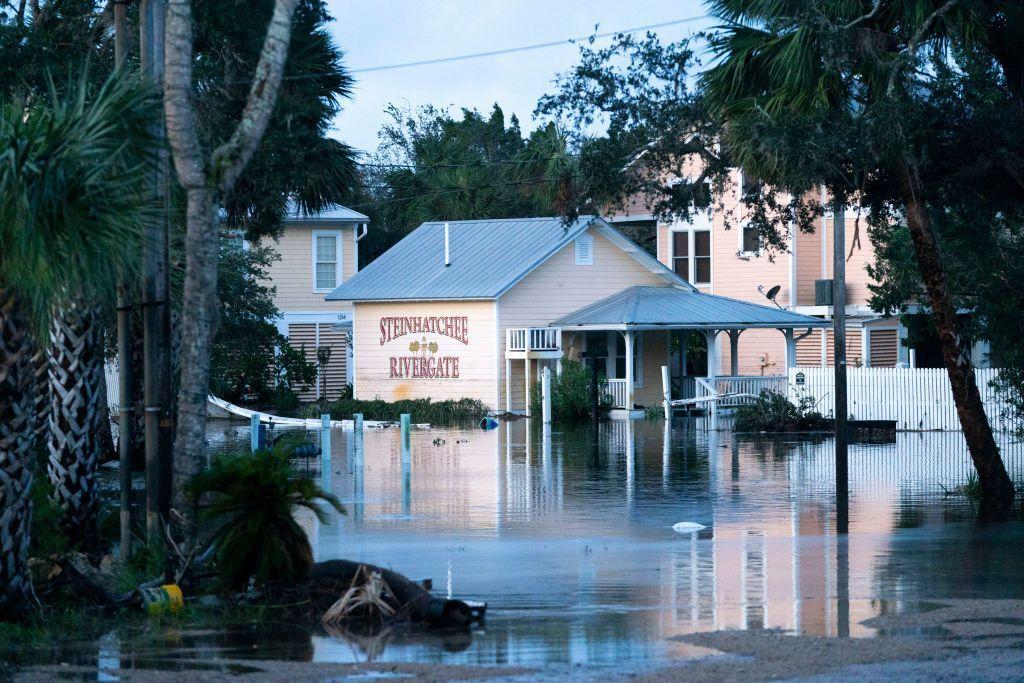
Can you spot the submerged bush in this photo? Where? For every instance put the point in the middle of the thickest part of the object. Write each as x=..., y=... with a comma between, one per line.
x=773, y=412
x=571, y=394
x=422, y=410
x=249, y=505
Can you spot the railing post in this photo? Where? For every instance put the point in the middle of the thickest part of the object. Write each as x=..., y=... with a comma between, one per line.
x=545, y=387
x=254, y=432
x=666, y=390
x=325, y=451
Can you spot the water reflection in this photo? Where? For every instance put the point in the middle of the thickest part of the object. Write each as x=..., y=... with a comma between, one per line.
x=567, y=534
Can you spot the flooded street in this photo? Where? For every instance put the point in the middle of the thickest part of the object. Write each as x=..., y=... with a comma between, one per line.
x=569, y=540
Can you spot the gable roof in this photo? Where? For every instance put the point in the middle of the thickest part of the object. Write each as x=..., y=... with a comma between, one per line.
x=652, y=306
x=488, y=257
x=331, y=212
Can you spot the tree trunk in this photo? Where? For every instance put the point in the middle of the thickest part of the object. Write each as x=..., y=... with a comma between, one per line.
x=204, y=185
x=16, y=445
x=76, y=371
x=997, y=488
x=41, y=397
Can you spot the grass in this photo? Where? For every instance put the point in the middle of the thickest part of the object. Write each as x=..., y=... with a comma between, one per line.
x=422, y=410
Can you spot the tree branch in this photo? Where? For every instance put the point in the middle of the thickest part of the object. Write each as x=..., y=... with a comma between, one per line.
x=230, y=158
x=182, y=129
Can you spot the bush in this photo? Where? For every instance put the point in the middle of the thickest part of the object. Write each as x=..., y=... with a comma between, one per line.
x=570, y=394
x=462, y=411
x=250, y=512
x=773, y=412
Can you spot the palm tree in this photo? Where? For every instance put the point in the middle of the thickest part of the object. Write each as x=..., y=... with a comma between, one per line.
x=849, y=73
x=74, y=168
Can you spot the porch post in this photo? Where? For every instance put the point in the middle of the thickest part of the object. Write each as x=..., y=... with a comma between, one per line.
x=711, y=336
x=526, y=375
x=734, y=347
x=508, y=385
x=628, y=334
x=790, y=349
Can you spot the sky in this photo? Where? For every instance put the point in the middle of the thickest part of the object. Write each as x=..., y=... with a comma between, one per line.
x=388, y=32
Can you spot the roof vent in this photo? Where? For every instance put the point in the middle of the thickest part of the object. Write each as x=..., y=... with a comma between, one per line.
x=447, y=247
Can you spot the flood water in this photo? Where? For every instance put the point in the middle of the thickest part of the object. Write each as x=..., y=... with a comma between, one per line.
x=568, y=537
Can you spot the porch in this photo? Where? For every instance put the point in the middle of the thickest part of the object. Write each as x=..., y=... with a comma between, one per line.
x=650, y=326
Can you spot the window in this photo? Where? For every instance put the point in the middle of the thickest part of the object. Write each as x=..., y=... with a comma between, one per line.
x=681, y=254
x=749, y=183
x=750, y=241
x=585, y=250
x=701, y=257
x=326, y=260
x=691, y=255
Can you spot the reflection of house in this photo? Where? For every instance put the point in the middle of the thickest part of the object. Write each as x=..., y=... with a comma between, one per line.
x=498, y=300
x=318, y=252
x=718, y=254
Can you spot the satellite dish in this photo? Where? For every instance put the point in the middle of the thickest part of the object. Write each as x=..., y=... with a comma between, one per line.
x=773, y=292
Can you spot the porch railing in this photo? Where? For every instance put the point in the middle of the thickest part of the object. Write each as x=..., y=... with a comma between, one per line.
x=533, y=339
x=617, y=392
x=688, y=387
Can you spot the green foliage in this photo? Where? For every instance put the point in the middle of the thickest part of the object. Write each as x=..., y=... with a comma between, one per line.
x=74, y=170
x=773, y=412
x=431, y=166
x=249, y=502
x=48, y=536
x=422, y=410
x=571, y=394
x=250, y=357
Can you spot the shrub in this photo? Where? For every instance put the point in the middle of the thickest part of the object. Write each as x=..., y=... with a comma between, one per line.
x=251, y=500
x=773, y=412
x=462, y=411
x=570, y=394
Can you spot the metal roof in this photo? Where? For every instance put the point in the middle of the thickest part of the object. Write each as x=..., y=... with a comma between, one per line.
x=331, y=212
x=677, y=307
x=487, y=258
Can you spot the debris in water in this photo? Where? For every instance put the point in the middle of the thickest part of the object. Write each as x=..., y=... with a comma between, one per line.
x=687, y=527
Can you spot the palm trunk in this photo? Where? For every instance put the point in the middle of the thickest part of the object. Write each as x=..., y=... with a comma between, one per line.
x=199, y=324
x=41, y=398
x=16, y=443
x=997, y=488
x=76, y=371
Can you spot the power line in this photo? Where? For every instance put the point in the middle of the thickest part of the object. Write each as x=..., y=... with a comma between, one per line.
x=473, y=164
x=523, y=48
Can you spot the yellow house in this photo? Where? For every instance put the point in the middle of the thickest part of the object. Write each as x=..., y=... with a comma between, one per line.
x=318, y=253
x=478, y=308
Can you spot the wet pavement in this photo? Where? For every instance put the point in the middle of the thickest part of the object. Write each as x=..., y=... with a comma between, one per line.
x=568, y=537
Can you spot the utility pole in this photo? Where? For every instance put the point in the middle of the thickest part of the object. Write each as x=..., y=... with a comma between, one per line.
x=156, y=310
x=839, y=339
x=124, y=343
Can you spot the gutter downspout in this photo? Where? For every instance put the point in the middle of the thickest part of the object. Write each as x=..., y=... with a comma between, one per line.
x=364, y=229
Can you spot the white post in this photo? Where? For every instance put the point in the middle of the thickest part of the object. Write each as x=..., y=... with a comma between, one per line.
x=508, y=385
x=447, y=252
x=357, y=439
x=526, y=375
x=790, y=348
x=254, y=432
x=325, y=451
x=406, y=424
x=913, y=358
x=711, y=337
x=666, y=391
x=545, y=395
x=734, y=352
x=629, y=369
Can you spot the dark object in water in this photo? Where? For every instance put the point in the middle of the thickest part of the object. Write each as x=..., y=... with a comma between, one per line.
x=872, y=431
x=411, y=599
x=306, y=449
x=488, y=423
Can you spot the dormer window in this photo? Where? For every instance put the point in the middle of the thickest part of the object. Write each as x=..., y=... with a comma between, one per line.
x=584, y=250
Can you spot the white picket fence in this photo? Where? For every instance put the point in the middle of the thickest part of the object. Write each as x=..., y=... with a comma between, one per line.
x=917, y=398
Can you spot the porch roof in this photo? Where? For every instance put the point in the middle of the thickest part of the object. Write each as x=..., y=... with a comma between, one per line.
x=654, y=307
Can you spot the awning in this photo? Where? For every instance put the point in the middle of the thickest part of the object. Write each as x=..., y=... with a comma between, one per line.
x=653, y=307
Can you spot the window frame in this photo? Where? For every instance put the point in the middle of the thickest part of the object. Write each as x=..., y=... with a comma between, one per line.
x=338, y=253
x=742, y=250
x=691, y=246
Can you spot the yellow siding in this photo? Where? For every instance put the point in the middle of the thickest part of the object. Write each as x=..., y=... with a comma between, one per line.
x=808, y=350
x=477, y=360
x=293, y=273
x=559, y=287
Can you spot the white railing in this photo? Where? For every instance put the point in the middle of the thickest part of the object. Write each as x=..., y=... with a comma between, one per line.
x=533, y=339
x=739, y=384
x=916, y=398
x=617, y=392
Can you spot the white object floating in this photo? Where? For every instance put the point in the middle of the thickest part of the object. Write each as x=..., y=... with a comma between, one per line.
x=687, y=527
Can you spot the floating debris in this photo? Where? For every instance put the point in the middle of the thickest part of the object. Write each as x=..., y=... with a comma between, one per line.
x=687, y=527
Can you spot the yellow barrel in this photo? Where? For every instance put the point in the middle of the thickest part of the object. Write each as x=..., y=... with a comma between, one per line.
x=166, y=598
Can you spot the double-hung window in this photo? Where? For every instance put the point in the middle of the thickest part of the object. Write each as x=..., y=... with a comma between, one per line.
x=691, y=255
x=326, y=261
